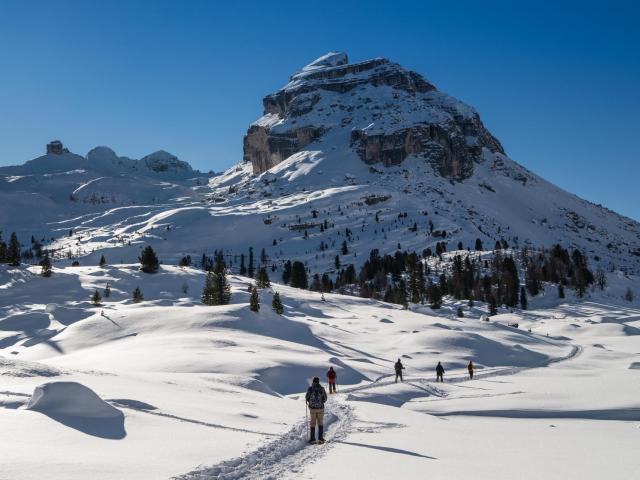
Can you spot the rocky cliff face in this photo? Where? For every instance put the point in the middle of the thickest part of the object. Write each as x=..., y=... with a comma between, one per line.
x=380, y=110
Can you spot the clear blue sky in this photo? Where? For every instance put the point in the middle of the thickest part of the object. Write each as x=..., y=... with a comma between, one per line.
x=558, y=83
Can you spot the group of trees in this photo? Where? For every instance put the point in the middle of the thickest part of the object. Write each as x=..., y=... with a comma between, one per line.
x=10, y=253
x=404, y=277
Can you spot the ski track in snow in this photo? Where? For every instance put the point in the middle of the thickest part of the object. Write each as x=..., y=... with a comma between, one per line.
x=290, y=453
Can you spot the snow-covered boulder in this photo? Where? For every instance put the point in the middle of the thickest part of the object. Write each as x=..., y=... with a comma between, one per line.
x=70, y=399
x=79, y=407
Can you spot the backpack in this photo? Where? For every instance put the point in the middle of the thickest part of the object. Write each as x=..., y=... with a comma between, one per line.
x=315, y=398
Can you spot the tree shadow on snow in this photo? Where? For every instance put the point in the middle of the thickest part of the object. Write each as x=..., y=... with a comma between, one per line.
x=388, y=449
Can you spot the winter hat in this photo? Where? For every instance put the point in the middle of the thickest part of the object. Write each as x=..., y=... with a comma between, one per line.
x=316, y=380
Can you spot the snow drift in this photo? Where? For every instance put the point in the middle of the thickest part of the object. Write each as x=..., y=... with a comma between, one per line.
x=79, y=407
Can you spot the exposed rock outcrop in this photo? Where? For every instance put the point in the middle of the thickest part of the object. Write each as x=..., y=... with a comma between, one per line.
x=56, y=148
x=386, y=113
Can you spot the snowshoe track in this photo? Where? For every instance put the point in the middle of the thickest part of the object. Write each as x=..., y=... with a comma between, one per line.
x=286, y=456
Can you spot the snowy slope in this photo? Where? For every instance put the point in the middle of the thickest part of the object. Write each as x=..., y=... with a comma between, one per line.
x=214, y=392
x=458, y=183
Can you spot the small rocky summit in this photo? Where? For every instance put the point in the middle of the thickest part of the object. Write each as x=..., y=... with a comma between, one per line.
x=377, y=109
x=56, y=148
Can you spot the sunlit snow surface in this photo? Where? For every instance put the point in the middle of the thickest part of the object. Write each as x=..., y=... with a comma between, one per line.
x=214, y=392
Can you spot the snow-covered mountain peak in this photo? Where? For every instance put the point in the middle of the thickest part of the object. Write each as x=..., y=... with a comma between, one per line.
x=162, y=161
x=331, y=59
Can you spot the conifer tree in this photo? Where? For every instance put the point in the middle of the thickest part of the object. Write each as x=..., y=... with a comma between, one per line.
x=216, y=290
x=254, y=300
x=263, y=256
x=96, y=298
x=493, y=306
x=628, y=296
x=243, y=269
x=276, y=304
x=102, y=262
x=148, y=260
x=601, y=278
x=459, y=313
x=336, y=262
x=251, y=270
x=45, y=263
x=13, y=251
x=344, y=250
x=478, y=246
x=299, y=275
x=523, y=298
x=286, y=272
x=262, y=279
x=137, y=296
x=560, y=291
x=435, y=296
x=3, y=251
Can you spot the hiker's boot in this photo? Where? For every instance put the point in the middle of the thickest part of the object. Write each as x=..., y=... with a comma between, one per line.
x=321, y=434
x=312, y=436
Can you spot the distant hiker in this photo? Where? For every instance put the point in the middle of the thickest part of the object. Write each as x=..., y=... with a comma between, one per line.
x=398, y=366
x=471, y=367
x=439, y=372
x=315, y=398
x=332, y=376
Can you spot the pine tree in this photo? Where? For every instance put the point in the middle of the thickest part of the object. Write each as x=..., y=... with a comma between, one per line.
x=493, y=306
x=459, y=313
x=107, y=291
x=251, y=270
x=137, y=296
x=216, y=290
x=243, y=269
x=344, y=250
x=96, y=298
x=478, y=246
x=102, y=262
x=601, y=278
x=336, y=262
x=148, y=260
x=3, y=251
x=628, y=296
x=276, y=304
x=560, y=291
x=435, y=296
x=254, y=300
x=263, y=256
x=523, y=298
x=13, y=251
x=299, y=275
x=286, y=272
x=45, y=263
x=262, y=279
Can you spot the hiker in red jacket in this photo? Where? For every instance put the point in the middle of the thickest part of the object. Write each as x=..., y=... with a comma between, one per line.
x=332, y=376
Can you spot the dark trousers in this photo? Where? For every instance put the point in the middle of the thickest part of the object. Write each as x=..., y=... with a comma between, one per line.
x=332, y=387
x=399, y=374
x=439, y=377
x=471, y=374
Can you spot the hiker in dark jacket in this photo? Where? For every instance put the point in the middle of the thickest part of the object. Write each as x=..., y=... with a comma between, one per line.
x=439, y=372
x=398, y=366
x=315, y=398
x=471, y=367
x=332, y=376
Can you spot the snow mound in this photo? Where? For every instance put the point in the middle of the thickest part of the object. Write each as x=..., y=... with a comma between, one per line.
x=70, y=399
